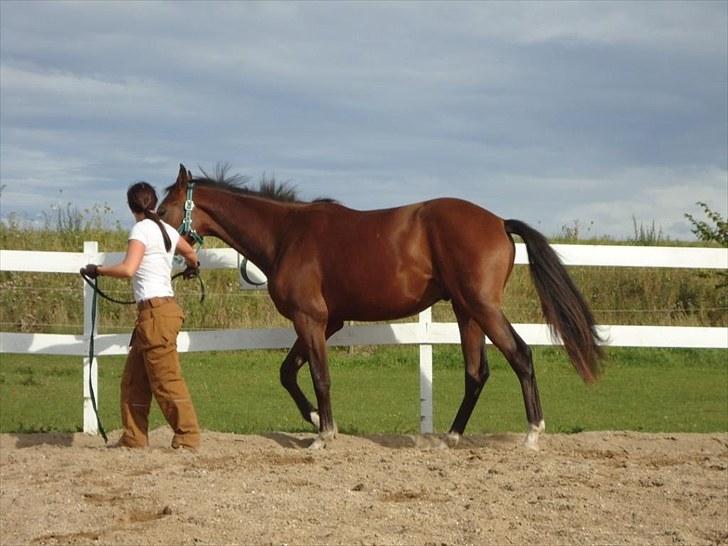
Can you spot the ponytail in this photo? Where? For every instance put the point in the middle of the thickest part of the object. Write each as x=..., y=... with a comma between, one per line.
x=142, y=198
x=157, y=220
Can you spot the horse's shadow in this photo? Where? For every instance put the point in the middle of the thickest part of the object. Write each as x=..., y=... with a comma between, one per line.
x=404, y=441
x=288, y=441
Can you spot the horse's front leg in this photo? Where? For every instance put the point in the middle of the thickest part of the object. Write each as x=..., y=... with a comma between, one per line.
x=312, y=335
x=292, y=364
x=289, y=379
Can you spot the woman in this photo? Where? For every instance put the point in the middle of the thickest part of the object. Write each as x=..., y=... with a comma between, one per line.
x=152, y=367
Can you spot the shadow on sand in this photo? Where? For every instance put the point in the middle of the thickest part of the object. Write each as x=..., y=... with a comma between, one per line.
x=399, y=441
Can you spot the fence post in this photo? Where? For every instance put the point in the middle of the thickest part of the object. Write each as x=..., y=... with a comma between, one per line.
x=90, y=368
x=426, y=426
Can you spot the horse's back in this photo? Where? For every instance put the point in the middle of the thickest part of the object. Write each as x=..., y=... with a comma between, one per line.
x=376, y=265
x=428, y=235
x=384, y=263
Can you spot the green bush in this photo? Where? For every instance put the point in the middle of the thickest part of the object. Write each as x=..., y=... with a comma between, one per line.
x=715, y=230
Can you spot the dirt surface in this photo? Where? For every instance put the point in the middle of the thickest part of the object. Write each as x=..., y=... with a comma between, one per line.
x=588, y=488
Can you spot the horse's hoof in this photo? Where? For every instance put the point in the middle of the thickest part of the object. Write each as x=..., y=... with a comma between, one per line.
x=318, y=443
x=532, y=437
x=531, y=442
x=453, y=439
x=315, y=420
x=322, y=440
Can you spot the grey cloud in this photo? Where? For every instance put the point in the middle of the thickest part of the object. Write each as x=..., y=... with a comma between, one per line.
x=521, y=107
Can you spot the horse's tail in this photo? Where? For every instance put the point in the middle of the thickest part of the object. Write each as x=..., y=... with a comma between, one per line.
x=563, y=306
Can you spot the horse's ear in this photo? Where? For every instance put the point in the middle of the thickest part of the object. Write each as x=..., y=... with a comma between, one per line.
x=183, y=175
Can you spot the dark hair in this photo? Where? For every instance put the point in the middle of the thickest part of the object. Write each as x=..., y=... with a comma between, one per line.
x=142, y=198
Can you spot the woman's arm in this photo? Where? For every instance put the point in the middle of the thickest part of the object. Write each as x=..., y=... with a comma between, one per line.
x=126, y=269
x=186, y=250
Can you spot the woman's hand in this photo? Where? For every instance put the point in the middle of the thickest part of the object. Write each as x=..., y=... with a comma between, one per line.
x=191, y=271
x=186, y=250
x=90, y=271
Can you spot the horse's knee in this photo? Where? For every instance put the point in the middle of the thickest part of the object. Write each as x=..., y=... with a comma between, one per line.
x=321, y=379
x=485, y=374
x=479, y=378
x=322, y=386
x=288, y=372
x=521, y=361
x=287, y=378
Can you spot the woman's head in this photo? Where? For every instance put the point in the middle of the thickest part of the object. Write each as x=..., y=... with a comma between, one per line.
x=142, y=199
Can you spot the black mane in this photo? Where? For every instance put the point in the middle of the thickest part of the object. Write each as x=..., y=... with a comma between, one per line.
x=268, y=187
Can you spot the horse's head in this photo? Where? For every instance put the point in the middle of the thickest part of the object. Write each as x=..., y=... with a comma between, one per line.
x=172, y=207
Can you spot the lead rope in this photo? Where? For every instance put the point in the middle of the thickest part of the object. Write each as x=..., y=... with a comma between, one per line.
x=91, y=359
x=94, y=284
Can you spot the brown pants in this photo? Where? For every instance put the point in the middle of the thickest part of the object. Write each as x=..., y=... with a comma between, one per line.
x=152, y=367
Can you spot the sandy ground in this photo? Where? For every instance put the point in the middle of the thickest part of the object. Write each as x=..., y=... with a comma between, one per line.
x=588, y=488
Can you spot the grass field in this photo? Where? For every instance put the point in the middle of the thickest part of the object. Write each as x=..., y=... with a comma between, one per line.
x=377, y=391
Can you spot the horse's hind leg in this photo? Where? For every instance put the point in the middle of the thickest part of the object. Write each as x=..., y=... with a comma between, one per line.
x=518, y=354
x=476, y=371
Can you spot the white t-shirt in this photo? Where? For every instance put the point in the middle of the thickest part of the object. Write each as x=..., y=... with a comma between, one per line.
x=153, y=278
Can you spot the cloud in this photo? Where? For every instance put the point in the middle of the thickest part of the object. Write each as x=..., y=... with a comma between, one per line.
x=575, y=109
x=662, y=196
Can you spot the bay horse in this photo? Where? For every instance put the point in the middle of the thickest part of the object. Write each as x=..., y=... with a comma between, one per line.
x=327, y=264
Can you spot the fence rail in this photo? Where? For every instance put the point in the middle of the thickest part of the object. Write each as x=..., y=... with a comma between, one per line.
x=423, y=333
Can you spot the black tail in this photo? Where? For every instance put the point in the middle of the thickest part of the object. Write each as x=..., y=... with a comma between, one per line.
x=563, y=306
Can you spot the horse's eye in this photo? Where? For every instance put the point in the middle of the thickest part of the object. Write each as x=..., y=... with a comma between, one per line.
x=161, y=211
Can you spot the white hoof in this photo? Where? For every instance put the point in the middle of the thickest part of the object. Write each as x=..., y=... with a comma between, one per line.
x=533, y=435
x=322, y=440
x=316, y=422
x=318, y=443
x=531, y=441
x=452, y=439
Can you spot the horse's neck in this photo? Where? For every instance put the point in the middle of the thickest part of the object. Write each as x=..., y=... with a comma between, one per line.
x=250, y=225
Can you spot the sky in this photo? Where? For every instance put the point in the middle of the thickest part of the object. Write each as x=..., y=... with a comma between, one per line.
x=588, y=114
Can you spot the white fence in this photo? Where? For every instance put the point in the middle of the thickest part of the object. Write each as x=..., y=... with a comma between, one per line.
x=424, y=333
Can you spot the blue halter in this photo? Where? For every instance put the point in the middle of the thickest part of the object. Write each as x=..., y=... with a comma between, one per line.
x=186, y=227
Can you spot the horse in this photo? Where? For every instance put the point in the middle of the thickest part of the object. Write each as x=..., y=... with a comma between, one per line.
x=327, y=264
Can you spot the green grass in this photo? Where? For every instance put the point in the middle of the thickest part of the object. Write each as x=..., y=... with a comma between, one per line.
x=377, y=391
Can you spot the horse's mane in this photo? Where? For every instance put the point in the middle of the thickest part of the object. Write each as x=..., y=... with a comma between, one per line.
x=268, y=187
